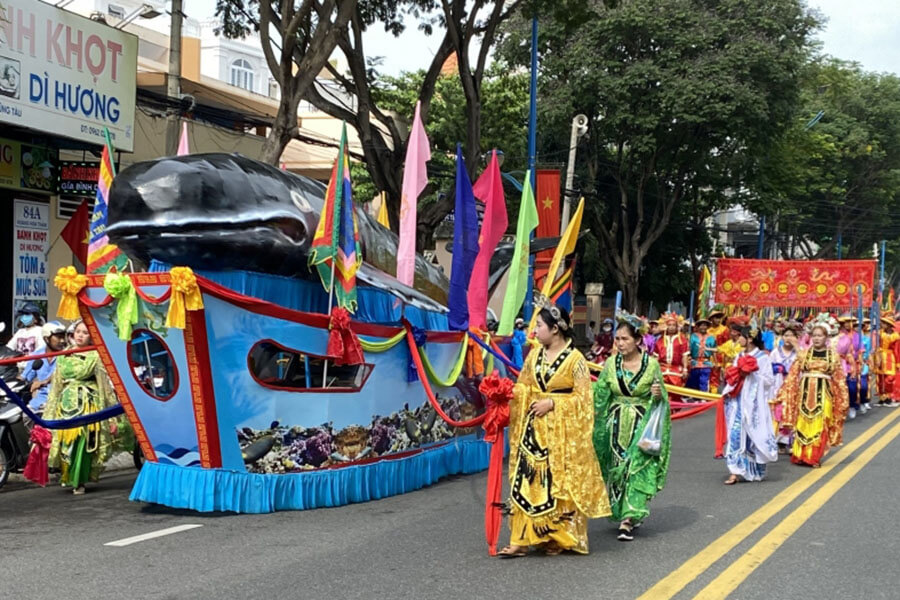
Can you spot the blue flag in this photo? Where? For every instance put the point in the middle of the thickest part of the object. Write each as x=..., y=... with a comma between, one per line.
x=465, y=246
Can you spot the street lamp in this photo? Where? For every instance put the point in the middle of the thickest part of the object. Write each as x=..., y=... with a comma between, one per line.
x=145, y=11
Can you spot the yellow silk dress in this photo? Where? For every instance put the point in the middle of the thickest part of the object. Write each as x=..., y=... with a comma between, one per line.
x=555, y=479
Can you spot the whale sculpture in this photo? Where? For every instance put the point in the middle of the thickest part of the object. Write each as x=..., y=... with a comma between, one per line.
x=227, y=211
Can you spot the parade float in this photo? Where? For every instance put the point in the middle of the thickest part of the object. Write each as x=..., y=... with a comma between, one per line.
x=247, y=391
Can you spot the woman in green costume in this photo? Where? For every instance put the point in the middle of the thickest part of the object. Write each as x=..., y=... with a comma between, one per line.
x=624, y=394
x=80, y=386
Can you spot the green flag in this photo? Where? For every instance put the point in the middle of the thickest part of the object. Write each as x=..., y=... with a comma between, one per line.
x=518, y=270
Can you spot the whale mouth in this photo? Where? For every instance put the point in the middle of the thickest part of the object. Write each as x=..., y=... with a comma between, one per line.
x=278, y=245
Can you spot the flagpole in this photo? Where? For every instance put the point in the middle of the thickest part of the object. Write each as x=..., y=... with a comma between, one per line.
x=330, y=304
x=532, y=159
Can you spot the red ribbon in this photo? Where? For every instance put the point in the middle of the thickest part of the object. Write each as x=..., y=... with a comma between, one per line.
x=497, y=392
x=343, y=345
x=36, y=468
x=735, y=374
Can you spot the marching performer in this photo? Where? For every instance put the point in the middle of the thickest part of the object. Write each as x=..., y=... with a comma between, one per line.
x=750, y=444
x=814, y=396
x=703, y=352
x=847, y=350
x=885, y=363
x=783, y=358
x=673, y=352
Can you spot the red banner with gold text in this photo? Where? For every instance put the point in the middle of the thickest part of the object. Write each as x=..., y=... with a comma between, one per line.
x=800, y=283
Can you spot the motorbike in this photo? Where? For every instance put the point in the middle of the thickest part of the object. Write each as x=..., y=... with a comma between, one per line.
x=14, y=433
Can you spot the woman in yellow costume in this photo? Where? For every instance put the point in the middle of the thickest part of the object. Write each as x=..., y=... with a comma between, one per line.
x=79, y=387
x=555, y=479
x=814, y=396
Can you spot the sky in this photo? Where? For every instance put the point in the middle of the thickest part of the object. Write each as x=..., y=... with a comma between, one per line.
x=865, y=31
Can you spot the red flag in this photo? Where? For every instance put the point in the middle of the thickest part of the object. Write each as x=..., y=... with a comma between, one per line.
x=547, y=199
x=75, y=233
x=488, y=189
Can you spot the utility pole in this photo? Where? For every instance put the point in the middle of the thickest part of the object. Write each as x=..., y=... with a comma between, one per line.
x=173, y=79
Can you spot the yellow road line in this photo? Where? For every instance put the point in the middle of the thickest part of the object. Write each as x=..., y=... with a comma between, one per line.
x=678, y=579
x=734, y=575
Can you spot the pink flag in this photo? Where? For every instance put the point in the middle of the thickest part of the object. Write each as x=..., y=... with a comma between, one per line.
x=183, y=149
x=488, y=189
x=415, y=177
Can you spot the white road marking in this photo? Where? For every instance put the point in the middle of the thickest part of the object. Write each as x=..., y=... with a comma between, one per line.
x=149, y=536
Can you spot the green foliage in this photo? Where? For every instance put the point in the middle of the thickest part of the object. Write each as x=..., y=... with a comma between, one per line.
x=840, y=175
x=682, y=96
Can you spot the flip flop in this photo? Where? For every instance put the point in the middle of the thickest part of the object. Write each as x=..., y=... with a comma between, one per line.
x=732, y=480
x=508, y=552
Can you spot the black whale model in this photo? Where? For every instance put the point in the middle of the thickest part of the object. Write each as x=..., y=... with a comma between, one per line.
x=226, y=211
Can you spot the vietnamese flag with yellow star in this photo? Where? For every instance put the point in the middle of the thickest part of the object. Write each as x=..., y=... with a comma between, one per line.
x=547, y=200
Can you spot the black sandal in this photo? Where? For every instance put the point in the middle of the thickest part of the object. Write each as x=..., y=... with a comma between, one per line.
x=626, y=532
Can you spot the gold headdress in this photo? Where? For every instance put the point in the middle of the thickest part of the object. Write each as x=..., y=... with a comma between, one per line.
x=541, y=302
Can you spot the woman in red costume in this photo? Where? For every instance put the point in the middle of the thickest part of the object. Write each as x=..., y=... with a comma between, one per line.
x=673, y=351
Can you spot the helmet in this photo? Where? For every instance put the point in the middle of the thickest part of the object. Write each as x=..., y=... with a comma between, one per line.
x=29, y=308
x=51, y=328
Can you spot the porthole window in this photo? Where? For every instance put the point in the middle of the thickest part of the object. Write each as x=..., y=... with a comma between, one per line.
x=275, y=366
x=152, y=364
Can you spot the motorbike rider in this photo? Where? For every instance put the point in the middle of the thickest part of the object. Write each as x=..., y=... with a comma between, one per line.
x=38, y=372
x=27, y=338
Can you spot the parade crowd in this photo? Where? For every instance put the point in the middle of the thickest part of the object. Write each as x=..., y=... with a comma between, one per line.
x=582, y=449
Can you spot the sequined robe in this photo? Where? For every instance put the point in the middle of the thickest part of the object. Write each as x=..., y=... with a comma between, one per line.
x=79, y=386
x=815, y=400
x=555, y=479
x=622, y=404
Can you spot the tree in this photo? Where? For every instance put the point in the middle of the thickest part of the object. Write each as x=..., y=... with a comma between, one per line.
x=838, y=177
x=682, y=96
x=466, y=27
x=305, y=37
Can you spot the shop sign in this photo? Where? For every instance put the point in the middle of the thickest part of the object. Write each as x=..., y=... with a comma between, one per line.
x=65, y=74
x=28, y=167
x=31, y=233
x=78, y=178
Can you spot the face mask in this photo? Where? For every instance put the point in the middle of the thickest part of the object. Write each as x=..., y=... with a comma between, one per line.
x=27, y=320
x=157, y=382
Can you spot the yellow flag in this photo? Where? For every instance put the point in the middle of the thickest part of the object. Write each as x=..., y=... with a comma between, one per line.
x=382, y=212
x=565, y=248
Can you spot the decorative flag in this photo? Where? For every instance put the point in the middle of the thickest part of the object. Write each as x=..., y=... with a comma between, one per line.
x=704, y=287
x=890, y=303
x=76, y=232
x=465, y=246
x=183, y=149
x=382, y=212
x=561, y=292
x=488, y=189
x=517, y=285
x=547, y=200
x=103, y=256
x=335, y=248
x=415, y=178
x=566, y=247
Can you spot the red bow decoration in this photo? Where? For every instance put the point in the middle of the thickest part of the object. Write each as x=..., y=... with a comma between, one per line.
x=36, y=468
x=735, y=374
x=497, y=391
x=343, y=345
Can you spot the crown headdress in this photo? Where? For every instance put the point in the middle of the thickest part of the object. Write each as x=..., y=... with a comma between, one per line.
x=825, y=321
x=541, y=302
x=635, y=321
x=671, y=316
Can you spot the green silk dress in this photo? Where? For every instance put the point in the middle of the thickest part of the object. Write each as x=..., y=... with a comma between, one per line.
x=622, y=406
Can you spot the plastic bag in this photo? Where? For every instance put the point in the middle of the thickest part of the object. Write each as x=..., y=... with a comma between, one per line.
x=651, y=439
